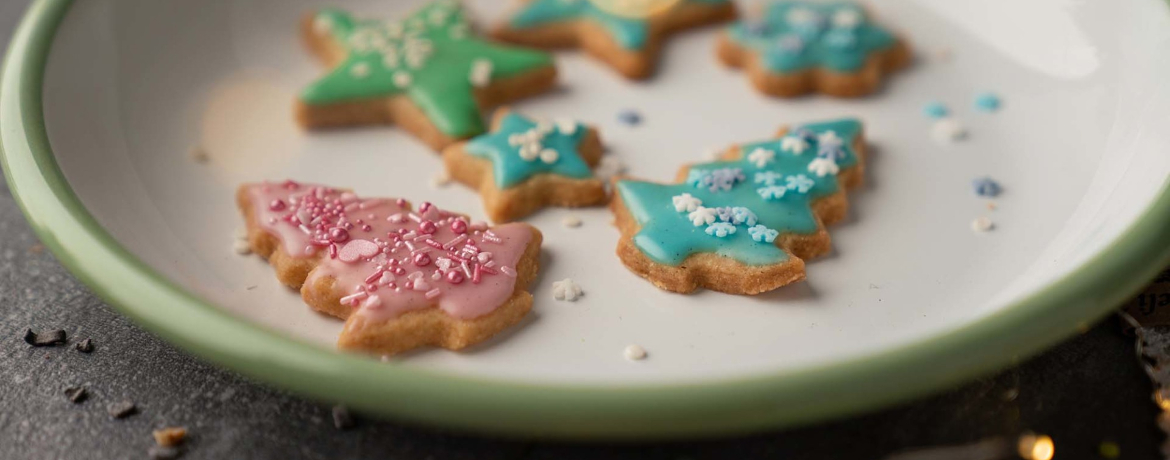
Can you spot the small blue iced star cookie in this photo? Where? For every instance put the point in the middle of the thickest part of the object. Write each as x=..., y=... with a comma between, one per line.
x=799, y=47
x=625, y=34
x=522, y=165
x=746, y=223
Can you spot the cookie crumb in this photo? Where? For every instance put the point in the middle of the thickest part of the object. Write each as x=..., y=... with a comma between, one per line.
x=943, y=54
x=84, y=346
x=76, y=395
x=571, y=221
x=170, y=437
x=44, y=339
x=947, y=130
x=986, y=187
x=935, y=110
x=635, y=353
x=198, y=155
x=987, y=102
x=342, y=419
x=163, y=453
x=991, y=205
x=36, y=248
x=120, y=410
x=440, y=179
x=630, y=117
x=982, y=225
x=567, y=289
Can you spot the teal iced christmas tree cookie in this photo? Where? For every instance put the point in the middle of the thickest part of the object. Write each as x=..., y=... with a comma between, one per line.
x=742, y=225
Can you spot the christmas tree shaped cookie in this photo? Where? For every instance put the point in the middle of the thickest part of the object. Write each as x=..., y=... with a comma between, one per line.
x=628, y=35
x=799, y=47
x=742, y=225
x=402, y=278
x=427, y=73
x=523, y=165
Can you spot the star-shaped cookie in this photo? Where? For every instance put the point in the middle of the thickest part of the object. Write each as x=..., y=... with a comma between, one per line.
x=427, y=73
x=742, y=225
x=627, y=35
x=798, y=47
x=523, y=165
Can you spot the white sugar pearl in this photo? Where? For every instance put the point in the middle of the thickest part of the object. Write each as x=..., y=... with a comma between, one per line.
x=360, y=70
x=982, y=225
x=948, y=130
x=549, y=156
x=635, y=353
x=402, y=79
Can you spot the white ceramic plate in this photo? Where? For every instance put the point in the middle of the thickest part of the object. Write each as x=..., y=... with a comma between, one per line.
x=1080, y=146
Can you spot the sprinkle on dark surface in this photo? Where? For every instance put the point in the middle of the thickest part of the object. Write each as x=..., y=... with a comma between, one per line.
x=84, y=346
x=122, y=409
x=76, y=394
x=342, y=418
x=163, y=452
x=44, y=339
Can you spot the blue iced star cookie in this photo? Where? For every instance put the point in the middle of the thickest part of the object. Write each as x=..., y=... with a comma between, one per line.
x=633, y=31
x=524, y=164
x=742, y=225
x=797, y=47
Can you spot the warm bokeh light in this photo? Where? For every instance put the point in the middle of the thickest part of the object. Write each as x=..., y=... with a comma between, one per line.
x=1036, y=447
x=634, y=8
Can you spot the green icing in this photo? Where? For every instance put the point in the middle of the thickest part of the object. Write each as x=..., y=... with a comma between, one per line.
x=668, y=236
x=794, y=36
x=503, y=147
x=630, y=33
x=429, y=56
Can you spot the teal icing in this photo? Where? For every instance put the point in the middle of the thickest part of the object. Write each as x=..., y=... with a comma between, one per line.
x=787, y=46
x=669, y=237
x=509, y=168
x=630, y=33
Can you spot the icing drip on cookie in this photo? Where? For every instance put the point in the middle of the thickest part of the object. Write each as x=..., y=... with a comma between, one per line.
x=522, y=148
x=430, y=57
x=739, y=208
x=388, y=259
x=796, y=35
x=629, y=31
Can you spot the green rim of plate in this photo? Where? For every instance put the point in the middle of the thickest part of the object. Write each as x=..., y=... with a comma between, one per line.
x=516, y=408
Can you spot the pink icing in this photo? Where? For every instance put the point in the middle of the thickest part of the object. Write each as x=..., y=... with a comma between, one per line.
x=388, y=259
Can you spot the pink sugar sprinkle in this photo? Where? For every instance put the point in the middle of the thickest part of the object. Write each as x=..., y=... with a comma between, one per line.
x=433, y=293
x=486, y=269
x=372, y=302
x=353, y=298
x=415, y=217
x=400, y=202
x=508, y=271
x=475, y=276
x=455, y=242
x=466, y=269
x=333, y=251
x=374, y=276
x=433, y=243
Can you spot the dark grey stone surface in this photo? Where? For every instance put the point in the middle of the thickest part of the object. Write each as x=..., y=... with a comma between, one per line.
x=1084, y=392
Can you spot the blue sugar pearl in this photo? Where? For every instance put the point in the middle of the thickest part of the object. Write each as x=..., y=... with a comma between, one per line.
x=986, y=187
x=935, y=110
x=630, y=117
x=987, y=102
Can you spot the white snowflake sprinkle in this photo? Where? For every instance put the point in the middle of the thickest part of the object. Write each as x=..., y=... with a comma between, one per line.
x=802, y=16
x=610, y=166
x=686, y=203
x=846, y=18
x=242, y=247
x=440, y=179
x=823, y=167
x=566, y=127
x=634, y=353
x=567, y=289
x=571, y=221
x=549, y=156
x=829, y=140
x=795, y=144
x=761, y=157
x=702, y=216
